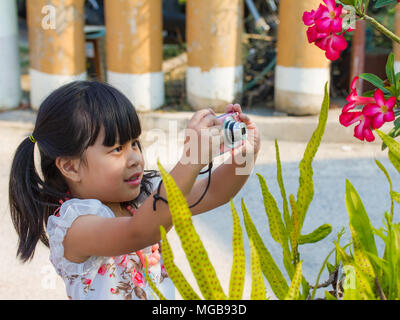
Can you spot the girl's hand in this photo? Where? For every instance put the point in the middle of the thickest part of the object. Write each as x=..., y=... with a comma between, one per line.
x=203, y=138
x=252, y=143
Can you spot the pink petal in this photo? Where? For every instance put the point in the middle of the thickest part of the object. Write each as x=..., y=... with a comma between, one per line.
x=369, y=136
x=348, y=118
x=371, y=110
x=322, y=12
x=391, y=102
x=378, y=121
x=338, y=43
x=337, y=25
x=379, y=97
x=331, y=53
x=308, y=18
x=312, y=34
x=323, y=25
x=359, y=132
x=322, y=43
x=353, y=83
x=339, y=11
x=331, y=4
x=349, y=106
x=389, y=117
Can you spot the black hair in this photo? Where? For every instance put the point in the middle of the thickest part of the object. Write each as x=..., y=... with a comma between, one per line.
x=68, y=122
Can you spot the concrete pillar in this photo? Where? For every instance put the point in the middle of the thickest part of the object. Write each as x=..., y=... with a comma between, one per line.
x=396, y=46
x=134, y=51
x=302, y=69
x=214, y=46
x=56, y=44
x=10, y=83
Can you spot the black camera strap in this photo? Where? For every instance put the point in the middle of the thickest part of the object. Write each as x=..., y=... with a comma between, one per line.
x=158, y=197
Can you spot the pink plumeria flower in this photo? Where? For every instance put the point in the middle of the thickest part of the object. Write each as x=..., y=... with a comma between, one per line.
x=381, y=111
x=314, y=36
x=363, y=131
x=329, y=19
x=333, y=45
x=309, y=18
x=354, y=99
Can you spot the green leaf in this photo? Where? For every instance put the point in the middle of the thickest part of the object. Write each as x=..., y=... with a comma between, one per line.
x=176, y=276
x=329, y=296
x=268, y=266
x=276, y=227
x=150, y=282
x=383, y=3
x=236, y=283
x=286, y=216
x=194, y=249
x=394, y=160
x=361, y=258
x=392, y=144
x=295, y=227
x=305, y=192
x=347, y=2
x=380, y=165
x=294, y=289
x=359, y=219
x=258, y=291
x=317, y=235
x=375, y=80
x=390, y=69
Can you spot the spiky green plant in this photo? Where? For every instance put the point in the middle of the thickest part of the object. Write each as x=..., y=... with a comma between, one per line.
x=368, y=276
x=197, y=256
x=285, y=229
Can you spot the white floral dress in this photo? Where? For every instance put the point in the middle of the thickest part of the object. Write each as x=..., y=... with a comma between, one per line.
x=102, y=278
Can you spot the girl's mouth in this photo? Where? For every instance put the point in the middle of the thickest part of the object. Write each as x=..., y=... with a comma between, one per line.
x=134, y=180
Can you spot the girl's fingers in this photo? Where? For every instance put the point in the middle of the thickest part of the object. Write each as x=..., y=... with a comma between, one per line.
x=244, y=118
x=229, y=108
x=237, y=108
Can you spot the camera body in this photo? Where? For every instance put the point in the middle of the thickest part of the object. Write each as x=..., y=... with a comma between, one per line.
x=235, y=131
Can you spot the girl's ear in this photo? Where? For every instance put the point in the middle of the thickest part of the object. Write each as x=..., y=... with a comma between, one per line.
x=69, y=168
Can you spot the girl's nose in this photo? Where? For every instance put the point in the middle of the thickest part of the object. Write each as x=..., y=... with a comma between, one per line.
x=134, y=158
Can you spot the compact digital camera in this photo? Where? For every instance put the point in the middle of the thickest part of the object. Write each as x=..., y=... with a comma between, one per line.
x=235, y=131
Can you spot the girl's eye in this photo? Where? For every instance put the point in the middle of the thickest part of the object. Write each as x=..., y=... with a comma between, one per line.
x=118, y=149
x=135, y=143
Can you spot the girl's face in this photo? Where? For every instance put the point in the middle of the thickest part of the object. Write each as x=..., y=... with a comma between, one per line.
x=111, y=174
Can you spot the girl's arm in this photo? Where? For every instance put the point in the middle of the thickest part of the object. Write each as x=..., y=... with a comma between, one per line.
x=91, y=235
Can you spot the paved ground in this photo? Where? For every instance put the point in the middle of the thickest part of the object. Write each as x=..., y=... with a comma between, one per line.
x=333, y=164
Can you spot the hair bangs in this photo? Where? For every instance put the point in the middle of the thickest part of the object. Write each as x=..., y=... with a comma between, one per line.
x=113, y=111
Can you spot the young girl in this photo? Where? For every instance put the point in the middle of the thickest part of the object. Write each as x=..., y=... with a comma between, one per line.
x=94, y=198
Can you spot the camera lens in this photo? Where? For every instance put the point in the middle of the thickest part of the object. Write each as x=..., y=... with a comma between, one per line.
x=233, y=131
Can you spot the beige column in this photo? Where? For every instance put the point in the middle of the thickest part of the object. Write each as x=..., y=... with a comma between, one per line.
x=215, y=70
x=56, y=44
x=302, y=68
x=396, y=46
x=10, y=88
x=134, y=51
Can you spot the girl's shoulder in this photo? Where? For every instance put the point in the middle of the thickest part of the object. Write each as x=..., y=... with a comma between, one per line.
x=72, y=209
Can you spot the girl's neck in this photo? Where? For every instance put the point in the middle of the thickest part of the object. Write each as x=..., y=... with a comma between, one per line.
x=118, y=210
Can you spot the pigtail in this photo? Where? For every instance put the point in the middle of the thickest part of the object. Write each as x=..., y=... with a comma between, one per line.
x=26, y=205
